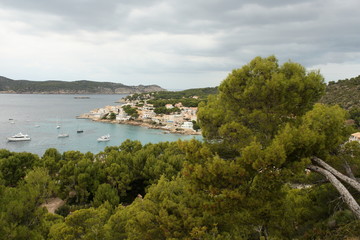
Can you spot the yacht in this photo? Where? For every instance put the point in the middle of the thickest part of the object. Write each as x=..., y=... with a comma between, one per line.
x=104, y=138
x=63, y=135
x=19, y=137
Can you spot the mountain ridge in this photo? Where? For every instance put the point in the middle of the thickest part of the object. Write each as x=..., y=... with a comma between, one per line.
x=8, y=85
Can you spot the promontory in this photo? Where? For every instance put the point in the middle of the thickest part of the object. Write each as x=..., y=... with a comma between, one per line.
x=75, y=87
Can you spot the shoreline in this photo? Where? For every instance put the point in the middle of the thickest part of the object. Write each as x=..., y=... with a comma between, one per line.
x=141, y=124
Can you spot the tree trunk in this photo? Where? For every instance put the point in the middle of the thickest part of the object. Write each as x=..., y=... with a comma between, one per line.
x=345, y=194
x=348, y=170
x=355, y=184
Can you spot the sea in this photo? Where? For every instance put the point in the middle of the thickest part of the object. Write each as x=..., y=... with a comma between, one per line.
x=38, y=115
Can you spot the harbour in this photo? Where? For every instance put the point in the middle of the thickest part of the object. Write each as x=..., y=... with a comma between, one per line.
x=39, y=115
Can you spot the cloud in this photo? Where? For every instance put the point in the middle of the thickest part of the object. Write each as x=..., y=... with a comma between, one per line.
x=172, y=43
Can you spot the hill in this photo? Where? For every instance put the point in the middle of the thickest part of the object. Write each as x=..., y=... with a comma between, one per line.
x=76, y=87
x=345, y=93
x=188, y=98
x=201, y=93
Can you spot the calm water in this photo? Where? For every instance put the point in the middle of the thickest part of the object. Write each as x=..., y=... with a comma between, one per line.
x=38, y=116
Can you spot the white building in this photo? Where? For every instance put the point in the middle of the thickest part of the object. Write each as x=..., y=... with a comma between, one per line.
x=169, y=106
x=147, y=114
x=355, y=137
x=187, y=125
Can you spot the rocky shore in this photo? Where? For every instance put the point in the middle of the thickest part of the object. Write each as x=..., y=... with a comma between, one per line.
x=142, y=124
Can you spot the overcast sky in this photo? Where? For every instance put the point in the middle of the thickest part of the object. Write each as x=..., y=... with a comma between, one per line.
x=176, y=44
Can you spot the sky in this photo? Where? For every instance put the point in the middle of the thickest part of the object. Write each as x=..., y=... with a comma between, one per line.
x=176, y=44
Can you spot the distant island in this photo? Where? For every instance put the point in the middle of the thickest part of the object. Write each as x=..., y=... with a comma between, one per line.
x=75, y=87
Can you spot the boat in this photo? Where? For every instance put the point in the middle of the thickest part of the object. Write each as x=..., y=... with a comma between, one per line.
x=104, y=138
x=82, y=97
x=80, y=131
x=19, y=137
x=63, y=135
x=58, y=126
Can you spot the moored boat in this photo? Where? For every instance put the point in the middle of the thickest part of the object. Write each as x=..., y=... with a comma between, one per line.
x=63, y=135
x=104, y=138
x=19, y=137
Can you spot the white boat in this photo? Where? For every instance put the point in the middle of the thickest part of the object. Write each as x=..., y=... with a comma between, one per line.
x=58, y=126
x=63, y=135
x=19, y=137
x=104, y=138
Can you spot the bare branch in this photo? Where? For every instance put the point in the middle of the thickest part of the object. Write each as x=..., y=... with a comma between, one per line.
x=349, y=170
x=345, y=194
x=355, y=184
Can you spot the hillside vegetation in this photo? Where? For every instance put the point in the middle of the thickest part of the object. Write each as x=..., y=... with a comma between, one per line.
x=76, y=87
x=188, y=98
x=345, y=93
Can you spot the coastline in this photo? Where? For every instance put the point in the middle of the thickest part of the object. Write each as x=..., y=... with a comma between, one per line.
x=141, y=124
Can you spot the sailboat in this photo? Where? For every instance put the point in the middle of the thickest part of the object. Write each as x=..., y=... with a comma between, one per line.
x=63, y=135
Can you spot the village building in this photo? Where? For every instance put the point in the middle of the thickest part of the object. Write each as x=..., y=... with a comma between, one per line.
x=179, y=105
x=187, y=125
x=169, y=106
x=355, y=137
x=146, y=114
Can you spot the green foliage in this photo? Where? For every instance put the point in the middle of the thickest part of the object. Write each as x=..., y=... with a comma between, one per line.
x=81, y=224
x=196, y=126
x=355, y=115
x=246, y=181
x=188, y=98
x=51, y=161
x=131, y=111
x=106, y=193
x=13, y=166
x=257, y=100
x=112, y=116
x=185, y=94
x=21, y=216
x=344, y=93
x=164, y=110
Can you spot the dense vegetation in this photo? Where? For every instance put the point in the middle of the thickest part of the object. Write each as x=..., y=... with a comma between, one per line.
x=200, y=92
x=132, y=112
x=188, y=98
x=83, y=86
x=259, y=174
x=344, y=93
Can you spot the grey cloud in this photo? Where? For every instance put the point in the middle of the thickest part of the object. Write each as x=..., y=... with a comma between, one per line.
x=311, y=32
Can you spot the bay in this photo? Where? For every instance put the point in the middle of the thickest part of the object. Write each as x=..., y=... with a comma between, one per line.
x=38, y=115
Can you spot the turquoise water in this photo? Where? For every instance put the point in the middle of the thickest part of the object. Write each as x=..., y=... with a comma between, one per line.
x=38, y=116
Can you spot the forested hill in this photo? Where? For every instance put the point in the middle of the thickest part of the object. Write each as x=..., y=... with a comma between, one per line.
x=76, y=87
x=345, y=92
